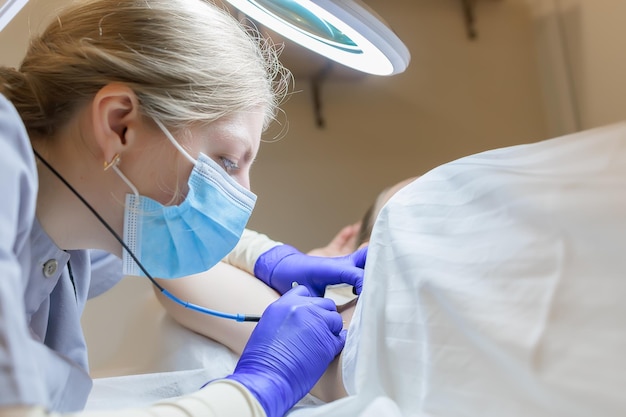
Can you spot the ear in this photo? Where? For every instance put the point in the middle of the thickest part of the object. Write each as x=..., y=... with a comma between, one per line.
x=115, y=117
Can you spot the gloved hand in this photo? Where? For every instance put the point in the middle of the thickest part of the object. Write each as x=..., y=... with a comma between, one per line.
x=280, y=266
x=290, y=348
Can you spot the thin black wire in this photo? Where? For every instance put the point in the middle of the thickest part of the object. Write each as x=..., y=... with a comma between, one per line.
x=69, y=271
x=186, y=304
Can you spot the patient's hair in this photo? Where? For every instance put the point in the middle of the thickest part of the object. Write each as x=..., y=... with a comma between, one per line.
x=369, y=218
x=367, y=222
x=187, y=61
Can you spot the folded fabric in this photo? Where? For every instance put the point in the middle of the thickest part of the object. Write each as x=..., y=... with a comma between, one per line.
x=495, y=286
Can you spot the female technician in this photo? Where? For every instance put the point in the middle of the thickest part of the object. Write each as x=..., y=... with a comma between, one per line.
x=130, y=128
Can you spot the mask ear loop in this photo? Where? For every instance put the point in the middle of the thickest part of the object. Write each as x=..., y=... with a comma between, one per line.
x=124, y=178
x=174, y=142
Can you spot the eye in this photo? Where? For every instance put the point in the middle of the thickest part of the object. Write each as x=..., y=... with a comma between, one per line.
x=229, y=165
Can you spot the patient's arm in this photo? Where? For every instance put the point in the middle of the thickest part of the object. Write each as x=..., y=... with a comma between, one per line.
x=344, y=242
x=232, y=290
x=223, y=288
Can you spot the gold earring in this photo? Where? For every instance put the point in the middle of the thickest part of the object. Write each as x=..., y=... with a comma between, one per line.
x=114, y=161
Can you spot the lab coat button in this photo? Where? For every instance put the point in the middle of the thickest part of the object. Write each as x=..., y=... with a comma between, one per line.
x=50, y=268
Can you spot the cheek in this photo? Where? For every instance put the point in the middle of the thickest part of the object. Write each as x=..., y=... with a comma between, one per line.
x=170, y=182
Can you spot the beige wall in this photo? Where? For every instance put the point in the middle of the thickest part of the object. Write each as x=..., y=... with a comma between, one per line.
x=582, y=61
x=539, y=69
x=31, y=19
x=457, y=97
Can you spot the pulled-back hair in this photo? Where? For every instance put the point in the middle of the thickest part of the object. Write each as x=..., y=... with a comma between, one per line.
x=187, y=61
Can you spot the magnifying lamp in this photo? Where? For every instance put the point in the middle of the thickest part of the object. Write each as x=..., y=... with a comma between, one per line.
x=345, y=31
x=8, y=10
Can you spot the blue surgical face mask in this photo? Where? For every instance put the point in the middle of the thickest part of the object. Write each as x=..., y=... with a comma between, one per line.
x=192, y=237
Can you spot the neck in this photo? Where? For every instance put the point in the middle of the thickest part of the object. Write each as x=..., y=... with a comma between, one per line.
x=64, y=217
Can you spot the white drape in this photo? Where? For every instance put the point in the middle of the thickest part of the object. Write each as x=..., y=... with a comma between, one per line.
x=495, y=286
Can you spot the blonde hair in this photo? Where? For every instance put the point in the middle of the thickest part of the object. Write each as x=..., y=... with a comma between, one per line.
x=188, y=61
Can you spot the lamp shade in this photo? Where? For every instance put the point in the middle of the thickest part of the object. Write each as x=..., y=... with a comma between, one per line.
x=345, y=31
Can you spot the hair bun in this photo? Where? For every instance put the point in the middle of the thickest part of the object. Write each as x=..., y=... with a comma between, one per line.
x=11, y=79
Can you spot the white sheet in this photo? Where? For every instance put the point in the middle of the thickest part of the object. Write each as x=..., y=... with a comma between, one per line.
x=495, y=287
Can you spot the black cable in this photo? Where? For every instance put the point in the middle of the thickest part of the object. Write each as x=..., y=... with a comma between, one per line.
x=186, y=304
x=69, y=271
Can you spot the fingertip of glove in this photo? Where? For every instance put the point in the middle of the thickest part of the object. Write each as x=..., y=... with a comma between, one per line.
x=342, y=337
x=300, y=290
x=360, y=256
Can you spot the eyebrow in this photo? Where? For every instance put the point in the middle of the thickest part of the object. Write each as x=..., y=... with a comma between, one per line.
x=248, y=154
x=232, y=136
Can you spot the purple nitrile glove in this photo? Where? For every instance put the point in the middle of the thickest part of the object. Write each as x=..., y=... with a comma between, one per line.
x=282, y=265
x=296, y=339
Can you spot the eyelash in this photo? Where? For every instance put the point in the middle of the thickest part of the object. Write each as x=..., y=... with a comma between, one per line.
x=229, y=165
